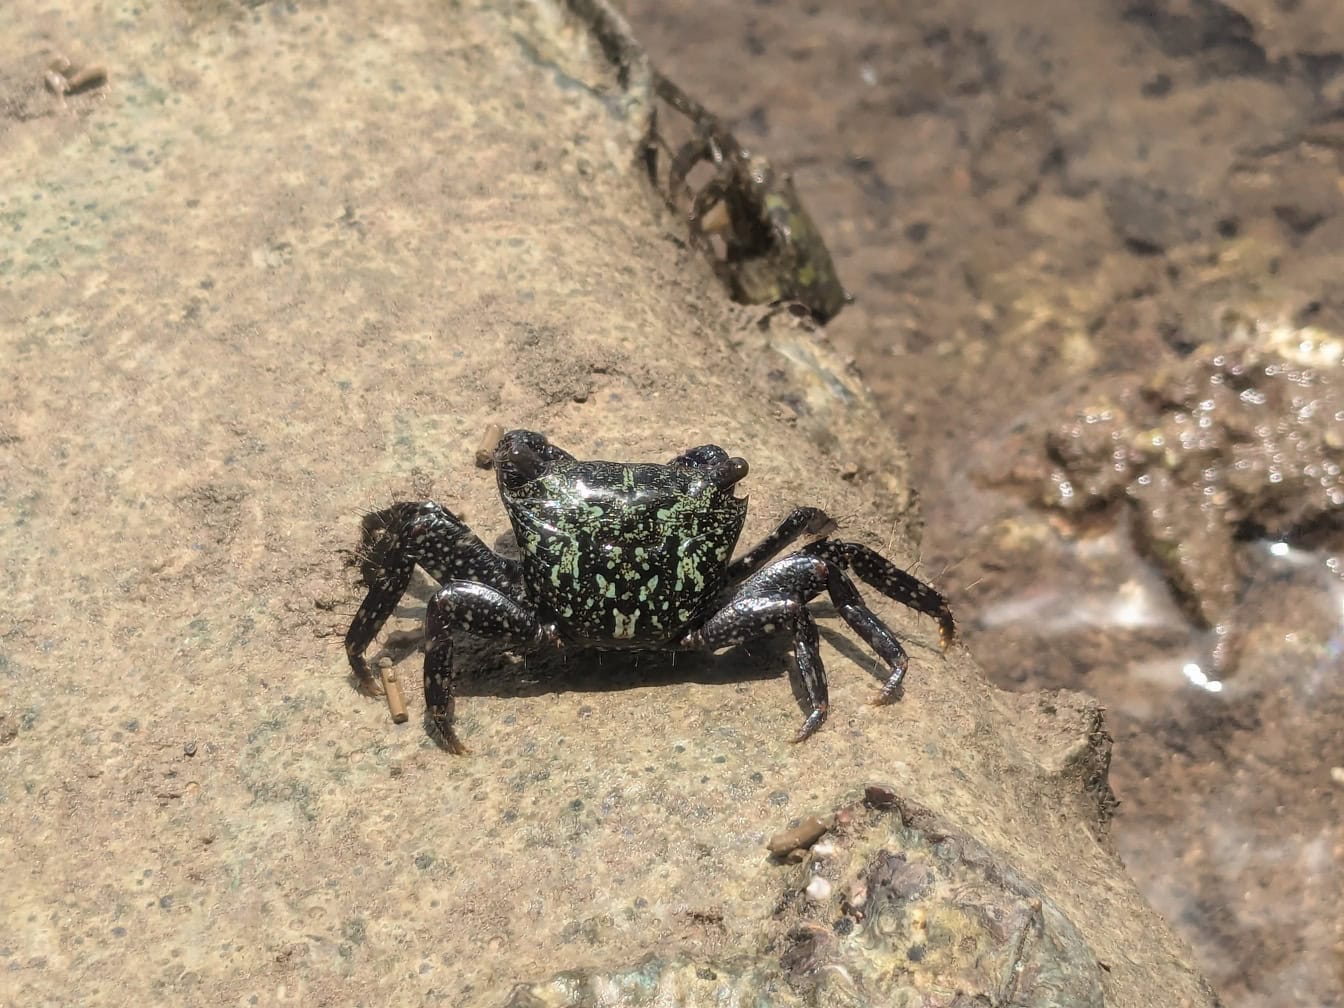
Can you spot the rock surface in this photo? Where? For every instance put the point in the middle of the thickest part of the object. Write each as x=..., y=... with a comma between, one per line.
x=279, y=267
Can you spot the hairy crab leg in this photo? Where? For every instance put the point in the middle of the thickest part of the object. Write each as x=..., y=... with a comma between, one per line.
x=879, y=572
x=395, y=540
x=878, y=636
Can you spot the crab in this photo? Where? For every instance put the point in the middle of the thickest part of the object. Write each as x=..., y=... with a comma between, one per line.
x=771, y=250
x=626, y=555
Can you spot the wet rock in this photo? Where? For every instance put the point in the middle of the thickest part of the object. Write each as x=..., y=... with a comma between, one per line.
x=1241, y=439
x=1151, y=218
x=495, y=186
x=1298, y=186
x=1213, y=34
x=1286, y=28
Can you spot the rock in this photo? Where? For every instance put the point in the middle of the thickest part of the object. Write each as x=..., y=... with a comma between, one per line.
x=289, y=270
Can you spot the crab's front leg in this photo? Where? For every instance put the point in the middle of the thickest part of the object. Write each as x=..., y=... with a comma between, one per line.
x=715, y=146
x=482, y=611
x=689, y=155
x=395, y=540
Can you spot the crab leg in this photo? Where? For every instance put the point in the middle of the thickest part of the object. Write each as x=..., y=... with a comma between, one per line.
x=879, y=572
x=776, y=597
x=398, y=538
x=801, y=521
x=483, y=612
x=849, y=604
x=775, y=600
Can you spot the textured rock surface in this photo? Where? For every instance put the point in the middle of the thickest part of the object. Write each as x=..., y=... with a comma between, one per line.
x=892, y=907
x=286, y=265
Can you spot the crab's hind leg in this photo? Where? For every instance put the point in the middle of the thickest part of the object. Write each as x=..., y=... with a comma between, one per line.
x=481, y=611
x=395, y=540
x=879, y=572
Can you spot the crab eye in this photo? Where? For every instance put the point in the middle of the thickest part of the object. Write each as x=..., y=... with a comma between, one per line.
x=729, y=472
x=518, y=460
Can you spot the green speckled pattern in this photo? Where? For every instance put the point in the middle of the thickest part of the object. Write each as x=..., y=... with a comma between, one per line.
x=624, y=553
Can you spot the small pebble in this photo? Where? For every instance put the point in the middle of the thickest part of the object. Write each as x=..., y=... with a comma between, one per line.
x=1337, y=775
x=801, y=837
x=89, y=77
x=485, y=451
x=858, y=895
x=818, y=889
x=189, y=749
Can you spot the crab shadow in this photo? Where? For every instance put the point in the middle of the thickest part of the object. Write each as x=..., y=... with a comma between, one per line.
x=487, y=668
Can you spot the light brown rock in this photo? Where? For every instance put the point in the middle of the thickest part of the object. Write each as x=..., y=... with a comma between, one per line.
x=278, y=269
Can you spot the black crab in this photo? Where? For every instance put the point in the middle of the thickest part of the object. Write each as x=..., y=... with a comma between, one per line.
x=628, y=555
x=768, y=248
